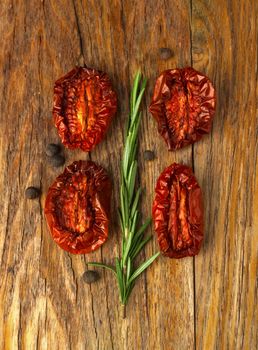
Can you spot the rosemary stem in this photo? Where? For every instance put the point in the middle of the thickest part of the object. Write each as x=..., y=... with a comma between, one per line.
x=126, y=233
x=123, y=307
x=133, y=239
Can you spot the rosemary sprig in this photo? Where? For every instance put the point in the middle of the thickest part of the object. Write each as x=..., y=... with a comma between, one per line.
x=133, y=239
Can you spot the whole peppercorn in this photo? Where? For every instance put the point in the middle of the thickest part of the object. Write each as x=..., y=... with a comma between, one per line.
x=32, y=192
x=52, y=149
x=57, y=160
x=148, y=155
x=90, y=276
x=165, y=53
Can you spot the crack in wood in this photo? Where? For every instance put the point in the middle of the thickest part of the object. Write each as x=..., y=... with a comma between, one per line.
x=74, y=277
x=241, y=282
x=78, y=30
x=7, y=235
x=192, y=156
x=19, y=335
x=38, y=334
x=107, y=296
x=94, y=319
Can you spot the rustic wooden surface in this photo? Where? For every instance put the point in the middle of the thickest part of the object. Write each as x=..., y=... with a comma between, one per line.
x=209, y=302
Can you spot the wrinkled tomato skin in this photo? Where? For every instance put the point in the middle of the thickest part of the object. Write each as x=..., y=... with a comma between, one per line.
x=183, y=105
x=84, y=105
x=178, y=212
x=77, y=207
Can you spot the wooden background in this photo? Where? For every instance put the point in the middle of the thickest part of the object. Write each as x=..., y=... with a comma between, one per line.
x=207, y=302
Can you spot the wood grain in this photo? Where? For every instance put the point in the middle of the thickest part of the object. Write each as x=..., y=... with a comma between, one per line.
x=209, y=302
x=225, y=163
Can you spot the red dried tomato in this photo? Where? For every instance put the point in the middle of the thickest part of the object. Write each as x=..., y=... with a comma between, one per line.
x=84, y=104
x=183, y=104
x=178, y=212
x=77, y=207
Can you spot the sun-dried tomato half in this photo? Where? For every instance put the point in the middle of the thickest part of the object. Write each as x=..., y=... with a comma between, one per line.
x=183, y=104
x=178, y=212
x=84, y=105
x=77, y=207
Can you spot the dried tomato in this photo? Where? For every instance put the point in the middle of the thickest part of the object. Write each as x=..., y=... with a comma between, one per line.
x=183, y=104
x=77, y=207
x=178, y=212
x=84, y=105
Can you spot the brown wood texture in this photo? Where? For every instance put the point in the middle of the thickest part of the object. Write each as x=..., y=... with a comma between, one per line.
x=206, y=302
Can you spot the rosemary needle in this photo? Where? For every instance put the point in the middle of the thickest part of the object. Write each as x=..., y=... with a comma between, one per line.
x=133, y=239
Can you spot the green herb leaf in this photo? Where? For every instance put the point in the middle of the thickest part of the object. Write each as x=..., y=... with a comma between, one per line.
x=108, y=267
x=126, y=155
x=136, y=201
x=135, y=89
x=134, y=220
x=137, y=236
x=128, y=290
x=143, y=267
x=129, y=267
x=137, y=106
x=121, y=220
x=139, y=247
x=119, y=275
x=131, y=180
x=127, y=248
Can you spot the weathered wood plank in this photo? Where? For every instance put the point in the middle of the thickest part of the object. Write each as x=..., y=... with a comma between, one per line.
x=38, y=284
x=138, y=32
x=225, y=47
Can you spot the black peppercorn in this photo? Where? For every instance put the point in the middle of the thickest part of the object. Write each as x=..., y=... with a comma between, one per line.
x=57, y=160
x=149, y=155
x=165, y=53
x=52, y=149
x=32, y=192
x=90, y=276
